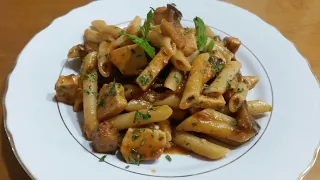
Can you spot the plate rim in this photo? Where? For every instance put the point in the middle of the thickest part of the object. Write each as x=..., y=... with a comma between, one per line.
x=5, y=120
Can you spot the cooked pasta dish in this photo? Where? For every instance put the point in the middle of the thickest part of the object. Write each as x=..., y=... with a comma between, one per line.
x=156, y=84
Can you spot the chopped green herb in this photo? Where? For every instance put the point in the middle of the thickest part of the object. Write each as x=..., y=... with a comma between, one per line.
x=176, y=78
x=63, y=87
x=137, y=115
x=86, y=91
x=211, y=130
x=168, y=158
x=133, y=160
x=153, y=108
x=101, y=103
x=210, y=46
x=206, y=86
x=194, y=124
x=102, y=158
x=146, y=116
x=112, y=88
x=135, y=137
x=202, y=71
x=142, y=42
x=239, y=90
x=146, y=26
x=216, y=67
x=127, y=167
x=95, y=93
x=141, y=130
x=228, y=85
x=85, y=77
x=201, y=33
x=143, y=141
x=93, y=76
x=234, y=122
x=144, y=80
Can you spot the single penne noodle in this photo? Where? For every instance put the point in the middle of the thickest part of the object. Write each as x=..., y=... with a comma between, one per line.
x=210, y=33
x=180, y=62
x=258, y=107
x=90, y=90
x=99, y=25
x=141, y=117
x=166, y=128
x=232, y=87
x=135, y=105
x=178, y=114
x=148, y=75
x=219, y=85
x=134, y=26
x=194, y=83
x=216, y=115
x=204, y=122
x=199, y=145
x=238, y=97
x=174, y=79
x=104, y=65
x=173, y=100
x=252, y=81
x=191, y=43
x=210, y=102
x=92, y=36
x=193, y=56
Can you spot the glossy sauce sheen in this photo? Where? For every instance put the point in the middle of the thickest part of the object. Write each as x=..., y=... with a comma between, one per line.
x=176, y=150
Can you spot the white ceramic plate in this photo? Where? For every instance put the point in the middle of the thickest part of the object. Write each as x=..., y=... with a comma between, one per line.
x=47, y=139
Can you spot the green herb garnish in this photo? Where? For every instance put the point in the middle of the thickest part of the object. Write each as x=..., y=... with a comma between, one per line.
x=137, y=115
x=146, y=116
x=216, y=67
x=168, y=158
x=133, y=160
x=194, y=124
x=239, y=90
x=102, y=158
x=201, y=33
x=112, y=88
x=143, y=141
x=135, y=137
x=176, y=78
x=101, y=103
x=86, y=91
x=146, y=25
x=142, y=42
x=210, y=45
x=206, y=86
x=228, y=85
x=234, y=122
x=127, y=167
x=144, y=80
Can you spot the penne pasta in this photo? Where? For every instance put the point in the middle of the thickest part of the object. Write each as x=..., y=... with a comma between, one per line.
x=104, y=65
x=208, y=123
x=141, y=117
x=148, y=75
x=252, y=81
x=238, y=97
x=256, y=107
x=209, y=102
x=180, y=62
x=219, y=85
x=135, y=105
x=172, y=100
x=92, y=36
x=173, y=31
x=89, y=81
x=199, y=145
x=174, y=79
x=194, y=83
